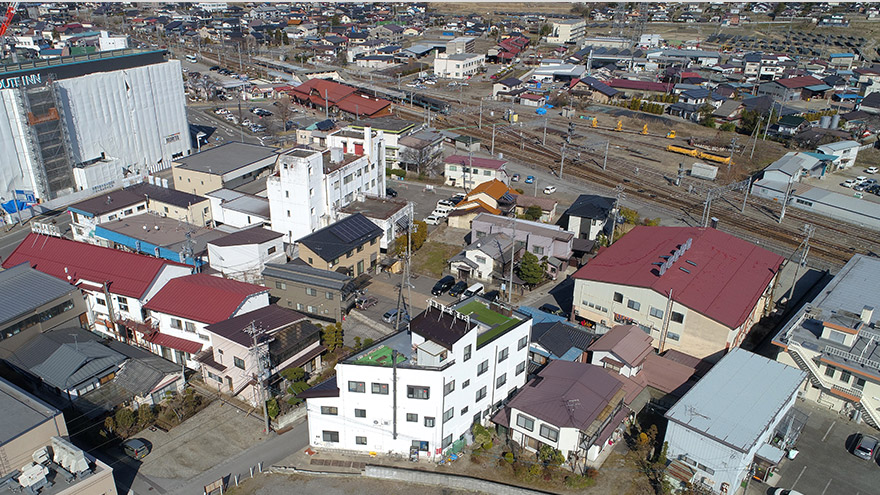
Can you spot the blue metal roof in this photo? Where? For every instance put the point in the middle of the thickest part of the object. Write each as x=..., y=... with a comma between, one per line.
x=737, y=399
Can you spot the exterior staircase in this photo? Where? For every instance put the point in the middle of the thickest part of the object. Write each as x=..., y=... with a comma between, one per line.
x=804, y=366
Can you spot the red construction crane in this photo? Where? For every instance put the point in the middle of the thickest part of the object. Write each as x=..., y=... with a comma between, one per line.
x=7, y=17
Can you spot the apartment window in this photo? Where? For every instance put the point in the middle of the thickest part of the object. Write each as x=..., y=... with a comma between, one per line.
x=502, y=355
x=360, y=440
x=465, y=384
x=412, y=418
x=453, y=168
x=311, y=292
x=123, y=303
x=190, y=327
x=845, y=376
x=329, y=296
x=656, y=313
x=673, y=336
x=464, y=411
x=175, y=323
x=520, y=367
x=551, y=434
x=487, y=172
x=422, y=393
x=522, y=343
x=429, y=422
x=480, y=395
x=100, y=301
x=311, y=192
x=358, y=387
x=618, y=297
x=829, y=371
x=360, y=413
x=480, y=259
x=538, y=250
x=467, y=352
x=360, y=248
x=633, y=305
x=280, y=285
x=449, y=387
x=447, y=441
x=501, y=380
x=239, y=362
x=329, y=410
x=349, y=254
x=448, y=414
x=330, y=436
x=859, y=383
x=676, y=317
x=286, y=194
x=380, y=388
x=373, y=242
x=525, y=422
x=288, y=213
x=484, y=367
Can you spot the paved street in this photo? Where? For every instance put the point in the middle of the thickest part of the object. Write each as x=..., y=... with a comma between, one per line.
x=12, y=237
x=824, y=465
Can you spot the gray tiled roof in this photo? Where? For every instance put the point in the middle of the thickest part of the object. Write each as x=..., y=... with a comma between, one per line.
x=299, y=272
x=25, y=289
x=226, y=158
x=72, y=364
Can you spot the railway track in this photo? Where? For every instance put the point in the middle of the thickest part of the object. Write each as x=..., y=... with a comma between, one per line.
x=833, y=244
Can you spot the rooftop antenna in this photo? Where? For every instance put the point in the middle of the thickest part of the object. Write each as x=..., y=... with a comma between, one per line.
x=75, y=342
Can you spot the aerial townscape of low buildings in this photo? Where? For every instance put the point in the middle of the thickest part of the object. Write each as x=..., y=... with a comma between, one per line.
x=495, y=248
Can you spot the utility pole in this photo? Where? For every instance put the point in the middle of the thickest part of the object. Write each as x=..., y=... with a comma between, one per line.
x=809, y=230
x=493, y=140
x=512, y=256
x=260, y=355
x=785, y=199
x=401, y=300
x=480, y=123
x=757, y=130
x=605, y=160
x=544, y=141
x=620, y=196
x=562, y=161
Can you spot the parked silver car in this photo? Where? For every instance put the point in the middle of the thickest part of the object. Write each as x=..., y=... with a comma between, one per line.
x=865, y=447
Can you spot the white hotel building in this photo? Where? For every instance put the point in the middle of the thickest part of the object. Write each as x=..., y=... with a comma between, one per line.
x=426, y=387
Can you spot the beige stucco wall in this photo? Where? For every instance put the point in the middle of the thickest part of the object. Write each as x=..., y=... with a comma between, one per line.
x=197, y=214
x=700, y=336
x=195, y=182
x=351, y=262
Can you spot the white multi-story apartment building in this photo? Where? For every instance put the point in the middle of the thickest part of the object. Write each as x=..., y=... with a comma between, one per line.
x=423, y=389
x=458, y=65
x=309, y=187
x=566, y=30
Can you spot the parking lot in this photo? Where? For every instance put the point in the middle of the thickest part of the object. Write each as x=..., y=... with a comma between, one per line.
x=825, y=465
x=848, y=182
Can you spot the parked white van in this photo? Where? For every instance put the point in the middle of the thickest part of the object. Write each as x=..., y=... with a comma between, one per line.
x=477, y=288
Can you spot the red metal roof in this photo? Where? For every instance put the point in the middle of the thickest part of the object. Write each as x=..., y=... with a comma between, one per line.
x=798, y=82
x=202, y=297
x=725, y=281
x=173, y=342
x=128, y=274
x=362, y=106
x=333, y=91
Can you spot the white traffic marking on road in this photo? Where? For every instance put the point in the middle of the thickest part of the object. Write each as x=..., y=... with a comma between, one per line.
x=798, y=478
x=826, y=486
x=829, y=430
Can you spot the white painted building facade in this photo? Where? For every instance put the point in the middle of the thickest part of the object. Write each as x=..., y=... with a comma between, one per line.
x=308, y=187
x=433, y=395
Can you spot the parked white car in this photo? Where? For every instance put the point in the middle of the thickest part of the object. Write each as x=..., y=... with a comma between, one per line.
x=860, y=179
x=871, y=170
x=848, y=183
x=549, y=189
x=432, y=220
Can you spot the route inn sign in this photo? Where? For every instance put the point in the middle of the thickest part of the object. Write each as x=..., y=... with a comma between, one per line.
x=21, y=81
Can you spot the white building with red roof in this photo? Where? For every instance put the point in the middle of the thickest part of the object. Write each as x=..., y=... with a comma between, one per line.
x=696, y=290
x=116, y=284
x=186, y=305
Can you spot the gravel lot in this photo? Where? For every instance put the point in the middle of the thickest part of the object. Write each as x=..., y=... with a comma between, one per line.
x=284, y=485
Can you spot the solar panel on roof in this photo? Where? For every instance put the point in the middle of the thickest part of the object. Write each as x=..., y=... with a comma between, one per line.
x=353, y=228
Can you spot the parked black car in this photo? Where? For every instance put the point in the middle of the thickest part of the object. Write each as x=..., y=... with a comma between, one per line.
x=391, y=193
x=443, y=285
x=553, y=310
x=492, y=295
x=458, y=288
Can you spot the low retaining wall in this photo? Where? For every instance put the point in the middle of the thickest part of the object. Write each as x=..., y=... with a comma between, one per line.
x=289, y=418
x=446, y=480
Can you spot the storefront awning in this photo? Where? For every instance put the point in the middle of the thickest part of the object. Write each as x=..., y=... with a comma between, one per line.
x=176, y=343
